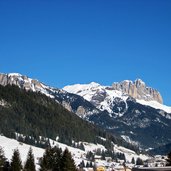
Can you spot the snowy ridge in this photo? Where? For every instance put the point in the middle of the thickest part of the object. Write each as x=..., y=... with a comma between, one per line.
x=106, y=97
x=84, y=90
x=102, y=97
x=155, y=105
x=27, y=83
x=71, y=102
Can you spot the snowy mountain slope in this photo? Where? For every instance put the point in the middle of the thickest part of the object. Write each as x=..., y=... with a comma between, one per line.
x=155, y=105
x=9, y=145
x=129, y=154
x=106, y=97
x=135, y=119
x=142, y=124
x=103, y=97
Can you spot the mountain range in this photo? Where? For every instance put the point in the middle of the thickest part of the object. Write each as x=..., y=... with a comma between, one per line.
x=129, y=109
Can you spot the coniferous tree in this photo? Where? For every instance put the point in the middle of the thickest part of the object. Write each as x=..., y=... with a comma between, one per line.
x=57, y=156
x=81, y=146
x=103, y=155
x=139, y=161
x=2, y=159
x=133, y=160
x=6, y=166
x=16, y=163
x=51, y=159
x=30, y=164
x=124, y=158
x=169, y=159
x=82, y=164
x=46, y=160
x=67, y=163
x=91, y=164
x=90, y=156
x=87, y=165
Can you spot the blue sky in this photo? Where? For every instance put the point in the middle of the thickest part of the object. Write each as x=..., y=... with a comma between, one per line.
x=63, y=42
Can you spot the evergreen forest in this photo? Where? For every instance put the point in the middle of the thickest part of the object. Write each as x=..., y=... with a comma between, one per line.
x=32, y=115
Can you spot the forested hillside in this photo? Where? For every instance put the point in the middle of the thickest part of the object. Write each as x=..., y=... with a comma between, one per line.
x=33, y=115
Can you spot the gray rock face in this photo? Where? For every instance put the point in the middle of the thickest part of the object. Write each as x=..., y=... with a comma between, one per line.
x=71, y=102
x=81, y=111
x=138, y=90
x=3, y=79
x=67, y=106
x=21, y=81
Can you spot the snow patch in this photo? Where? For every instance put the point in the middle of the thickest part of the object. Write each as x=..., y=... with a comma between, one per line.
x=155, y=105
x=14, y=74
x=9, y=145
x=127, y=139
x=95, y=93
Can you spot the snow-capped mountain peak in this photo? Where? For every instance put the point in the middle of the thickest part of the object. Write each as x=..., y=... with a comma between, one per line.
x=156, y=105
x=84, y=87
x=102, y=97
x=113, y=98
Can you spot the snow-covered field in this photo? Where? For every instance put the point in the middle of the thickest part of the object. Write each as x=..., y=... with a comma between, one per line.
x=9, y=145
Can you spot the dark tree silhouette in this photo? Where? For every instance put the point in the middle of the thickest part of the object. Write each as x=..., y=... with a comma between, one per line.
x=51, y=159
x=16, y=163
x=133, y=160
x=169, y=159
x=2, y=159
x=139, y=161
x=67, y=163
x=30, y=164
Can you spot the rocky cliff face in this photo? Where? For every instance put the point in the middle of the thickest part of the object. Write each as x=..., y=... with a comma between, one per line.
x=138, y=90
x=21, y=81
x=71, y=102
x=102, y=97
